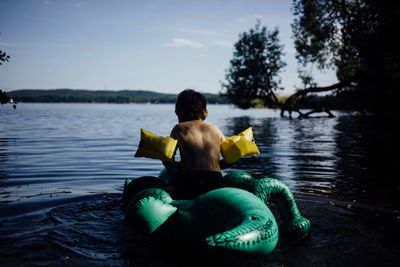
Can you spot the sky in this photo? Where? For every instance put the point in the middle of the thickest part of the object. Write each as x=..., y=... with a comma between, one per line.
x=156, y=45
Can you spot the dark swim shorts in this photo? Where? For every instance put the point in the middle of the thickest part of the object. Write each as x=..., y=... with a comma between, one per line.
x=195, y=183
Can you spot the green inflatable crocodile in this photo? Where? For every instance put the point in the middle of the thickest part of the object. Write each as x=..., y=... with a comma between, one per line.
x=235, y=218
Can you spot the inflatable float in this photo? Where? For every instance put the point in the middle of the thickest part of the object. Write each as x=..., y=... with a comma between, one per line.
x=235, y=218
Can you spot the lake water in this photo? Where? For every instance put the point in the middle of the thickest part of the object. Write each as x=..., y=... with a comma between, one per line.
x=62, y=167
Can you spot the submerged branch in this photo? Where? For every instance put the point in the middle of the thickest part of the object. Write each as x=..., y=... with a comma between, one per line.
x=290, y=105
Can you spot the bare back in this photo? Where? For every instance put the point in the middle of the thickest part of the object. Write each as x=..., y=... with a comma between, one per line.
x=199, y=145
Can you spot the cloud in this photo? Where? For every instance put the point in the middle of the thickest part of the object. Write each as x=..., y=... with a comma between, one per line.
x=198, y=31
x=79, y=4
x=45, y=2
x=222, y=43
x=241, y=20
x=179, y=42
x=247, y=19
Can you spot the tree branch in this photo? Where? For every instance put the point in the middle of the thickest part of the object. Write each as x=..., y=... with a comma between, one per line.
x=289, y=105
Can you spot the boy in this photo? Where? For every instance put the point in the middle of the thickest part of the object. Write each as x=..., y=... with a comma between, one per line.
x=199, y=145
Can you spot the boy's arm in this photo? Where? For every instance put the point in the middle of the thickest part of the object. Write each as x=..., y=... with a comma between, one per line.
x=174, y=164
x=222, y=163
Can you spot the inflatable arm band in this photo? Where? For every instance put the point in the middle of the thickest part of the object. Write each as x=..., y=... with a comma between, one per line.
x=241, y=145
x=156, y=147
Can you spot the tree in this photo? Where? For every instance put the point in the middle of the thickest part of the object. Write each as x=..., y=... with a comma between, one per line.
x=357, y=38
x=254, y=68
x=3, y=58
x=4, y=99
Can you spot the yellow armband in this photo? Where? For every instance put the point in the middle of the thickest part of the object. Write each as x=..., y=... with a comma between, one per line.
x=240, y=145
x=156, y=147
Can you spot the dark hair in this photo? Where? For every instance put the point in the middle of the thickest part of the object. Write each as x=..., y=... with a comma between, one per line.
x=191, y=105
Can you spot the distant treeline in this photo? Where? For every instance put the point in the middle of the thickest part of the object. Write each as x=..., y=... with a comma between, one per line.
x=100, y=96
x=140, y=96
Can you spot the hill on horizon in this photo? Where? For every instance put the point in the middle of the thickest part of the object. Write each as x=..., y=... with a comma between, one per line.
x=100, y=96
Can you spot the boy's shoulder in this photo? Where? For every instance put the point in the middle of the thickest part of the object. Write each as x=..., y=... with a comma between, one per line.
x=188, y=126
x=194, y=124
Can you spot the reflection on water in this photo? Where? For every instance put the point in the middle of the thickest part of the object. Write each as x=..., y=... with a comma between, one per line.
x=367, y=162
x=302, y=153
x=342, y=158
x=57, y=161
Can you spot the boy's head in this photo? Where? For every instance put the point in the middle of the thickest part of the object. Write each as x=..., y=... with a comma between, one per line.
x=190, y=105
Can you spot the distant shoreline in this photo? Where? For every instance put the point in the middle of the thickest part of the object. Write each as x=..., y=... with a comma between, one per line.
x=143, y=97
x=100, y=96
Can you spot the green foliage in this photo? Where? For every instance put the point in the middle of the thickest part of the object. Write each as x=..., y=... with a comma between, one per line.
x=357, y=38
x=3, y=57
x=89, y=96
x=332, y=33
x=254, y=68
x=3, y=97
